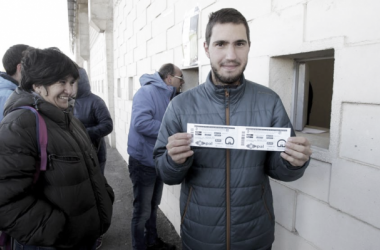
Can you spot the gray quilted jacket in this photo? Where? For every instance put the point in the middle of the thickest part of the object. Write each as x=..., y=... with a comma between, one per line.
x=226, y=200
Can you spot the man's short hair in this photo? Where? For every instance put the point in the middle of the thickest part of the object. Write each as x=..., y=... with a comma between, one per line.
x=12, y=58
x=227, y=15
x=45, y=67
x=165, y=70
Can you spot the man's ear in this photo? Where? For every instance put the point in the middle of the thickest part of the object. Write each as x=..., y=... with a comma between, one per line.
x=205, y=46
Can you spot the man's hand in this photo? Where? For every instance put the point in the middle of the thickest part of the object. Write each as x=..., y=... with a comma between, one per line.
x=179, y=147
x=297, y=151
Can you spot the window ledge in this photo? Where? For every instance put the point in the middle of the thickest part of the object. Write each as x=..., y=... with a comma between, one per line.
x=319, y=144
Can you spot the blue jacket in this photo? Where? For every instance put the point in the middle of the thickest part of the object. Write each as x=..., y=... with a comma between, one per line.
x=148, y=108
x=226, y=199
x=7, y=85
x=92, y=111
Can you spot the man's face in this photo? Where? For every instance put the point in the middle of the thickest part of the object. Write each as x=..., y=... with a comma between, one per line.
x=228, y=52
x=176, y=80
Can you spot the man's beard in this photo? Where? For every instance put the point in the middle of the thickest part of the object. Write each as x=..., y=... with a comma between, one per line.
x=227, y=79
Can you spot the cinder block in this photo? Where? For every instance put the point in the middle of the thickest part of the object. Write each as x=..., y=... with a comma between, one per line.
x=131, y=43
x=330, y=229
x=157, y=44
x=355, y=190
x=144, y=34
x=278, y=5
x=284, y=202
x=140, y=51
x=159, y=59
x=155, y=9
x=326, y=18
x=349, y=70
x=131, y=69
x=174, y=36
x=359, y=119
x=277, y=33
x=315, y=181
x=258, y=70
x=286, y=240
x=143, y=66
x=182, y=9
x=163, y=22
x=140, y=21
x=178, y=56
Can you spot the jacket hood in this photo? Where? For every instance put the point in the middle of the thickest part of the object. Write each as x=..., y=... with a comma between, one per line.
x=7, y=82
x=84, y=87
x=153, y=79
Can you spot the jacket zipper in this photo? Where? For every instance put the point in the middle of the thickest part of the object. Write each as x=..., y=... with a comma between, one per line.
x=94, y=163
x=228, y=194
x=187, y=205
x=265, y=203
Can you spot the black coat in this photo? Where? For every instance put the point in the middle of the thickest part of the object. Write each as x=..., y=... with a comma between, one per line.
x=92, y=111
x=71, y=204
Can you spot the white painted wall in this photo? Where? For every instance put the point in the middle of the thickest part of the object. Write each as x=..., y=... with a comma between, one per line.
x=336, y=205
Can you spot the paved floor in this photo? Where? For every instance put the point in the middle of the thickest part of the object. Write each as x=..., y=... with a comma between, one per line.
x=119, y=234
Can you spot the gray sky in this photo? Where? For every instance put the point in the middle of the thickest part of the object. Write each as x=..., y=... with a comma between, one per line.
x=38, y=23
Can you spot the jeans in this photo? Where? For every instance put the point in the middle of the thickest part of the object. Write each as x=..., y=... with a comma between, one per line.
x=147, y=192
x=19, y=246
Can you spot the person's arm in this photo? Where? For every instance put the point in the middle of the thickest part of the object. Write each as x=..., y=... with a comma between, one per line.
x=291, y=164
x=104, y=123
x=23, y=215
x=143, y=114
x=172, y=153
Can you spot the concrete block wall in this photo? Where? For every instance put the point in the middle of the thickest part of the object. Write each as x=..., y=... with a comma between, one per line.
x=336, y=204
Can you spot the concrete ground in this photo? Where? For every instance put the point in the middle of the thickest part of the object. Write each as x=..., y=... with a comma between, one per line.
x=119, y=234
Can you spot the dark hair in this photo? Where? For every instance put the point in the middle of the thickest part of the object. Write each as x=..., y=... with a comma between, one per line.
x=12, y=57
x=46, y=67
x=165, y=70
x=227, y=15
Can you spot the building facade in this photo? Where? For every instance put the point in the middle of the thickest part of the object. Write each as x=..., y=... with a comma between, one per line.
x=320, y=56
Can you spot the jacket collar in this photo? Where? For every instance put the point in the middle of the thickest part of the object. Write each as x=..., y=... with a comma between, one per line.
x=218, y=93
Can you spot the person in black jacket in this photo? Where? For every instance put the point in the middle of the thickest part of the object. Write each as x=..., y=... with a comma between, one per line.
x=70, y=205
x=92, y=111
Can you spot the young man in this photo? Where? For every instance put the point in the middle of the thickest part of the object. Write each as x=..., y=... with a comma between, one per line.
x=148, y=108
x=226, y=200
x=11, y=79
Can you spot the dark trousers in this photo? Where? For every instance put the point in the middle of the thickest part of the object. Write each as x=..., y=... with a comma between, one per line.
x=147, y=192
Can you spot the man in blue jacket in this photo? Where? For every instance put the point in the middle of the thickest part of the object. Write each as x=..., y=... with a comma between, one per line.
x=148, y=108
x=10, y=80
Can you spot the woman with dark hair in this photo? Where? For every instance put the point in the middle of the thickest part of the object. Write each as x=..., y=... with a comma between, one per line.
x=70, y=205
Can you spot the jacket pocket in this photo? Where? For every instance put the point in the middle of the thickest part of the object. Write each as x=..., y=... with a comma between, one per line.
x=65, y=170
x=263, y=190
x=187, y=204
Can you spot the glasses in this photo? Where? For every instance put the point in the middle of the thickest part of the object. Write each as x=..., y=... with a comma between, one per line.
x=178, y=77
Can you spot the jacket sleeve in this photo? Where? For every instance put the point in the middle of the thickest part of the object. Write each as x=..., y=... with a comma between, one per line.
x=143, y=114
x=23, y=215
x=104, y=123
x=170, y=172
x=275, y=166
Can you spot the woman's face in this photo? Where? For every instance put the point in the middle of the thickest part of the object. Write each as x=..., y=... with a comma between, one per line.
x=58, y=93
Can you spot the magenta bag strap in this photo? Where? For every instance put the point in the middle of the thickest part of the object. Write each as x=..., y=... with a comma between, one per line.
x=5, y=241
x=41, y=132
